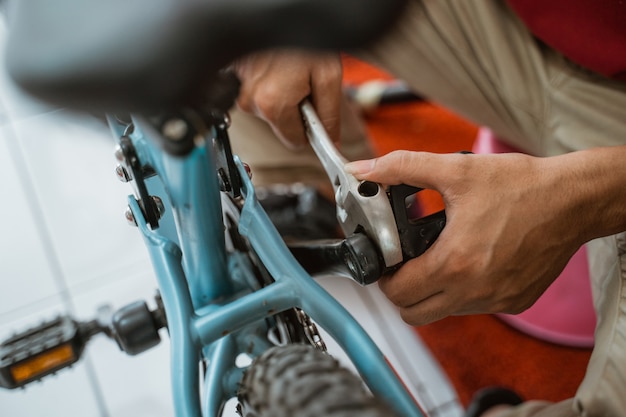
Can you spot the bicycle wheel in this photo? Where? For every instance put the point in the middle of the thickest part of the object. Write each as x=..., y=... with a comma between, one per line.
x=299, y=380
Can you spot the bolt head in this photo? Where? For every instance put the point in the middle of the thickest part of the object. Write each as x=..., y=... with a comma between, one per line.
x=175, y=129
x=121, y=173
x=158, y=203
x=227, y=121
x=119, y=154
x=248, y=170
x=130, y=217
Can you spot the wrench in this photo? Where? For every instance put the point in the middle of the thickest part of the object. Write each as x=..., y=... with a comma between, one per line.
x=362, y=206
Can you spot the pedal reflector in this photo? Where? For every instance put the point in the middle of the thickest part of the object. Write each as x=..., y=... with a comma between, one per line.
x=44, y=349
x=43, y=364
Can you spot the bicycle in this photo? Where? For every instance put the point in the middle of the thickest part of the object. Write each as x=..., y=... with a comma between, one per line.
x=213, y=321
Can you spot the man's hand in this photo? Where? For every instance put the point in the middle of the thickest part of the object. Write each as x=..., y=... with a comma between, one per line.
x=274, y=83
x=513, y=223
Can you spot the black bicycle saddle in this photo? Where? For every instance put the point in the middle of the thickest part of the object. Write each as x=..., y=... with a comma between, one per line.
x=148, y=54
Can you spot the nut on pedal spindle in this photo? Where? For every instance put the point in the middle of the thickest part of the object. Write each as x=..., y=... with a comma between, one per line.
x=135, y=327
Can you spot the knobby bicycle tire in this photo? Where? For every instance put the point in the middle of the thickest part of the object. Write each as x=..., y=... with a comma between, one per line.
x=299, y=380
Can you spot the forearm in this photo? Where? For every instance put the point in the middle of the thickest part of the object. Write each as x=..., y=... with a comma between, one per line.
x=593, y=183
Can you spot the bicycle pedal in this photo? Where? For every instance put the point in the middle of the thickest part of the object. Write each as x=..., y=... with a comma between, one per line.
x=45, y=349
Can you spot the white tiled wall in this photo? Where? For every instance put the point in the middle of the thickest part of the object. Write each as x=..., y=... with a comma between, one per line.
x=66, y=248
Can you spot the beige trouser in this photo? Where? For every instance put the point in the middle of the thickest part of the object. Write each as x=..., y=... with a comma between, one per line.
x=478, y=59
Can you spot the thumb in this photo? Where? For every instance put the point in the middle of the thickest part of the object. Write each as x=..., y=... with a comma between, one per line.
x=419, y=169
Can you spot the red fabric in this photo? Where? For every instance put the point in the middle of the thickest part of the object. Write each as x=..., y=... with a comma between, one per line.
x=591, y=33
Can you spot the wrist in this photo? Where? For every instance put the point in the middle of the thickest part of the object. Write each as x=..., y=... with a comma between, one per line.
x=592, y=184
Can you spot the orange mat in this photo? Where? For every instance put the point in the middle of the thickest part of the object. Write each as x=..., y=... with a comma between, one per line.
x=474, y=351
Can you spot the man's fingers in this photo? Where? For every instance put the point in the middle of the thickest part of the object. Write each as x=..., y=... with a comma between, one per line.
x=412, y=283
x=275, y=82
x=421, y=288
x=288, y=126
x=417, y=302
x=428, y=311
x=326, y=91
x=420, y=169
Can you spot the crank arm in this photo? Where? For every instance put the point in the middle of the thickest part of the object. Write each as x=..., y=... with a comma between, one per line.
x=355, y=257
x=416, y=235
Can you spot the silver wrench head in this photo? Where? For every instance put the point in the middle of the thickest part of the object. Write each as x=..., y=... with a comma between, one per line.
x=366, y=208
x=361, y=206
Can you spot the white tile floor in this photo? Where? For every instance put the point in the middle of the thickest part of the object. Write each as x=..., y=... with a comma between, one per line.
x=65, y=247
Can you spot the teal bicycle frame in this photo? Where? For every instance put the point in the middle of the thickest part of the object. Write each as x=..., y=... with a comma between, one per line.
x=215, y=308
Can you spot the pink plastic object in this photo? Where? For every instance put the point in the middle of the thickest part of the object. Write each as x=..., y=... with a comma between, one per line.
x=564, y=314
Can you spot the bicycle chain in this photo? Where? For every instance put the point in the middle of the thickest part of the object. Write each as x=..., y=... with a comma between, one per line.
x=310, y=330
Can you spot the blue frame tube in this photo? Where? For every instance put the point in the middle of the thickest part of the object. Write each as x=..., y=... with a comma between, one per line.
x=194, y=197
x=202, y=238
x=323, y=308
x=195, y=287
x=249, y=309
x=222, y=354
x=166, y=259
